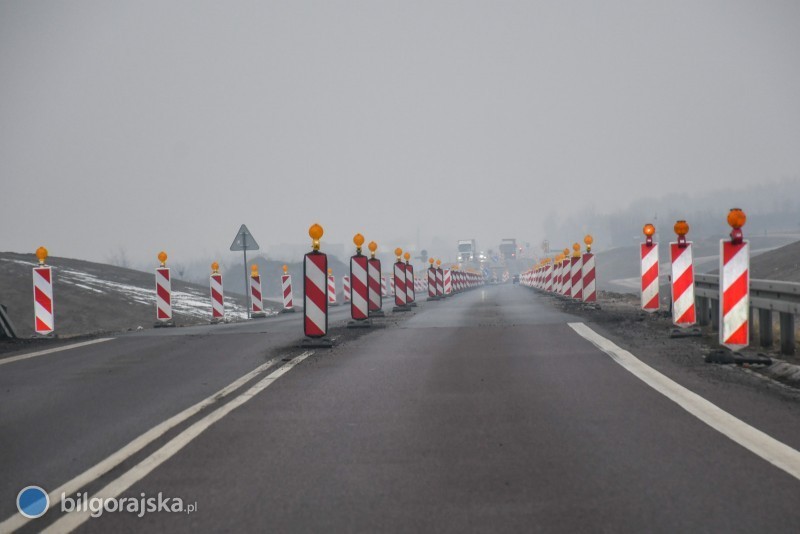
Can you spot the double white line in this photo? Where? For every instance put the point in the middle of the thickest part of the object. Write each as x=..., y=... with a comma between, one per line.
x=69, y=522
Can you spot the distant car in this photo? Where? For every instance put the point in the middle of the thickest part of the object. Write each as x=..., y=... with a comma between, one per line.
x=515, y=279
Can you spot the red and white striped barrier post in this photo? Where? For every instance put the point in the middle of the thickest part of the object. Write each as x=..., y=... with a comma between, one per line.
x=400, y=293
x=439, y=279
x=377, y=285
x=315, y=293
x=217, y=295
x=411, y=294
x=163, y=293
x=391, y=284
x=734, y=285
x=566, y=276
x=256, y=296
x=286, y=290
x=448, y=282
x=359, y=288
x=332, y=289
x=432, y=281
x=548, y=276
x=649, y=270
x=589, y=284
x=345, y=289
x=43, y=316
x=557, y=274
x=683, y=308
x=384, y=287
x=576, y=272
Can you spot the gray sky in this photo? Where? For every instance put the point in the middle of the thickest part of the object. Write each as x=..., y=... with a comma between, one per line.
x=165, y=124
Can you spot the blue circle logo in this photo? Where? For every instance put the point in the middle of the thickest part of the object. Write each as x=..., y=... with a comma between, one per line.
x=33, y=502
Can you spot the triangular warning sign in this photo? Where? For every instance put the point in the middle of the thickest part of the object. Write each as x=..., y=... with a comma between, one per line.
x=244, y=240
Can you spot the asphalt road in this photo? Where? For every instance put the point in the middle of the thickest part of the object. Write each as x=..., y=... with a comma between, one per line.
x=482, y=412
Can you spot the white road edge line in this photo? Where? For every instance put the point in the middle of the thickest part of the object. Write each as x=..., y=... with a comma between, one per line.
x=752, y=439
x=81, y=481
x=71, y=521
x=54, y=349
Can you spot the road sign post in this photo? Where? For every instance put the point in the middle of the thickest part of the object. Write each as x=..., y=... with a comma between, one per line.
x=245, y=241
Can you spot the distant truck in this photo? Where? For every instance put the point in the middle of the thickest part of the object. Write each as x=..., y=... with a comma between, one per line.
x=467, y=250
x=508, y=249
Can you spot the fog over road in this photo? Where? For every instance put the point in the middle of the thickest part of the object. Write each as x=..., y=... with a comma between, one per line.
x=487, y=411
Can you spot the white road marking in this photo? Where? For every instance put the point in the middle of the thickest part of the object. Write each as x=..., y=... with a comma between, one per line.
x=51, y=351
x=71, y=521
x=752, y=439
x=81, y=481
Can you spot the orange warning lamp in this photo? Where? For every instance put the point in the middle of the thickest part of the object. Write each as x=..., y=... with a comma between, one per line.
x=162, y=257
x=681, y=229
x=315, y=233
x=438, y=263
x=398, y=252
x=576, y=250
x=588, y=240
x=431, y=260
x=407, y=256
x=373, y=246
x=736, y=219
x=566, y=253
x=358, y=240
x=649, y=231
x=41, y=253
x=330, y=271
x=214, y=268
x=254, y=270
x=285, y=269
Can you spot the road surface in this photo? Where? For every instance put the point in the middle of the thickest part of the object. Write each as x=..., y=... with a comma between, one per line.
x=487, y=411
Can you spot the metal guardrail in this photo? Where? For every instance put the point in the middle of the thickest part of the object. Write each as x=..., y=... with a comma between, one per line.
x=6, y=326
x=766, y=296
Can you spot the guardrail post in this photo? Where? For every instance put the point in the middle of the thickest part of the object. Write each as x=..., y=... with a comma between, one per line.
x=714, y=315
x=787, y=333
x=702, y=310
x=765, y=328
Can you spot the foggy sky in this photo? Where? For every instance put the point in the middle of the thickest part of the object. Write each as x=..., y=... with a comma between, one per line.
x=165, y=125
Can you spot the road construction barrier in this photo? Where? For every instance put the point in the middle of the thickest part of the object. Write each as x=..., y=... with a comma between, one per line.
x=391, y=284
x=439, y=279
x=163, y=292
x=576, y=272
x=548, y=277
x=683, y=305
x=315, y=288
x=43, y=316
x=331, y=289
x=400, y=293
x=734, y=282
x=217, y=295
x=345, y=289
x=256, y=296
x=419, y=285
x=410, y=293
x=649, y=270
x=448, y=282
x=431, y=282
x=566, y=275
x=384, y=287
x=588, y=272
x=377, y=287
x=286, y=290
x=359, y=290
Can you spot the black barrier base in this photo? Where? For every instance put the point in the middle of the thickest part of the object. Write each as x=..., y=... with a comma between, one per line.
x=288, y=310
x=258, y=315
x=685, y=332
x=726, y=356
x=316, y=343
x=216, y=321
x=377, y=313
x=366, y=323
x=433, y=298
x=401, y=309
x=413, y=304
x=164, y=324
